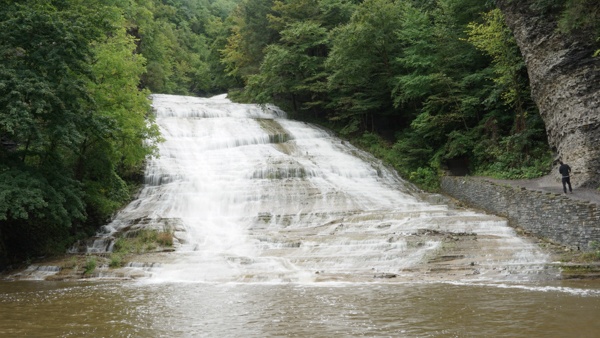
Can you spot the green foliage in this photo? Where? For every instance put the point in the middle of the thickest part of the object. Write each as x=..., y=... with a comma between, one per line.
x=90, y=265
x=416, y=83
x=142, y=241
x=442, y=79
x=494, y=37
x=139, y=242
x=426, y=178
x=29, y=194
x=289, y=67
x=42, y=96
x=362, y=65
x=293, y=68
x=250, y=34
x=116, y=260
x=44, y=114
x=216, y=78
x=179, y=41
x=117, y=70
x=444, y=83
x=415, y=152
x=379, y=147
x=514, y=158
x=74, y=124
x=122, y=245
x=120, y=148
x=580, y=15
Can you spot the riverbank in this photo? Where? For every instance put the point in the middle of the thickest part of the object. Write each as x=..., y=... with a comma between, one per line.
x=82, y=267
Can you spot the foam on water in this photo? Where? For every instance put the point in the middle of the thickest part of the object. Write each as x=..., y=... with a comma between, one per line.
x=574, y=291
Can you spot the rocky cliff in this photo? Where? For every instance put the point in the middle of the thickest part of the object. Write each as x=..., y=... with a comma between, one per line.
x=565, y=84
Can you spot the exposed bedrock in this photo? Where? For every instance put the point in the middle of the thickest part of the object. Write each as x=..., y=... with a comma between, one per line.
x=565, y=84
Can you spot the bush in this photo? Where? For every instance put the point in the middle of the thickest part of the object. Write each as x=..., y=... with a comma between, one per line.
x=116, y=260
x=90, y=266
x=142, y=241
x=426, y=178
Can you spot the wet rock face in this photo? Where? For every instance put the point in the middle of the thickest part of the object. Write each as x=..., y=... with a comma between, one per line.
x=565, y=84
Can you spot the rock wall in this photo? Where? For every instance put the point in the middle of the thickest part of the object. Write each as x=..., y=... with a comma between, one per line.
x=549, y=216
x=565, y=84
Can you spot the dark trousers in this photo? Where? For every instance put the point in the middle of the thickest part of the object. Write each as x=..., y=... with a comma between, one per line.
x=565, y=181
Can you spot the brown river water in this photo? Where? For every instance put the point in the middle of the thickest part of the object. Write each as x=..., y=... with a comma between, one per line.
x=133, y=309
x=283, y=230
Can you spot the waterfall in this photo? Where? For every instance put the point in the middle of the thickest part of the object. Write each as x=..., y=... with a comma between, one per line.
x=252, y=196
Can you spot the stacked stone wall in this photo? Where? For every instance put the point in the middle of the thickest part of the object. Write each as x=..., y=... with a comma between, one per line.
x=550, y=216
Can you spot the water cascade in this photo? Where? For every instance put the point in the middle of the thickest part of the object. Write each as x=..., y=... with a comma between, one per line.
x=252, y=196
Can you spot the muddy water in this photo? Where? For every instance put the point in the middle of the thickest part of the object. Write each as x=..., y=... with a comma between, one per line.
x=131, y=309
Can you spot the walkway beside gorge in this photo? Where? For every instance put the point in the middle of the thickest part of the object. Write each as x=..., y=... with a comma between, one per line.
x=568, y=225
x=537, y=206
x=550, y=184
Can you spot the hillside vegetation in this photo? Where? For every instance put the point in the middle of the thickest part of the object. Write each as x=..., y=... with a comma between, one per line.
x=421, y=84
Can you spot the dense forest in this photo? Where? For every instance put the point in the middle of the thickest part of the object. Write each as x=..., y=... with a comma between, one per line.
x=421, y=84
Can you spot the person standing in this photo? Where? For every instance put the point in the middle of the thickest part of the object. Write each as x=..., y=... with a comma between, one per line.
x=565, y=171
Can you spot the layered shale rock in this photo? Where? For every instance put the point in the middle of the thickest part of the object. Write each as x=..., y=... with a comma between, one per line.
x=565, y=84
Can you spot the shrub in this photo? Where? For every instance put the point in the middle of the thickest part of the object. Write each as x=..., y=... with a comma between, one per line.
x=426, y=178
x=116, y=260
x=90, y=265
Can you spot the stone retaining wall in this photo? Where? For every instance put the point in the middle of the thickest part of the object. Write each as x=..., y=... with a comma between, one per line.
x=549, y=216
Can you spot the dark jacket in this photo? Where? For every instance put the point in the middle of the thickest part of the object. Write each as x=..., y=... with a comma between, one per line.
x=564, y=170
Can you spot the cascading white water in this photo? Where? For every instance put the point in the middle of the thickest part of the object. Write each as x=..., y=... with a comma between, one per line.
x=257, y=197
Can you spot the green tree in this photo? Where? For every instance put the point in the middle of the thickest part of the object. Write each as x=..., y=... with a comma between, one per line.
x=444, y=84
x=172, y=36
x=250, y=34
x=362, y=65
x=120, y=149
x=73, y=122
x=496, y=39
x=292, y=70
x=44, y=107
x=217, y=32
x=292, y=73
x=402, y=77
x=516, y=139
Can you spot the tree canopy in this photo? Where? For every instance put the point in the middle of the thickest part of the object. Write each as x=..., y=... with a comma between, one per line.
x=421, y=84
x=418, y=83
x=75, y=118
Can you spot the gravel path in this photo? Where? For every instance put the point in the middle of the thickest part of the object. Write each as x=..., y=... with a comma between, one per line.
x=550, y=184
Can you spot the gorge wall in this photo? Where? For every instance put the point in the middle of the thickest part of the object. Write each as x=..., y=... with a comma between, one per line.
x=552, y=217
x=565, y=84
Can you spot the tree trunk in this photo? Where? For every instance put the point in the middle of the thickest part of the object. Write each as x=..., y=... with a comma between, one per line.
x=565, y=84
